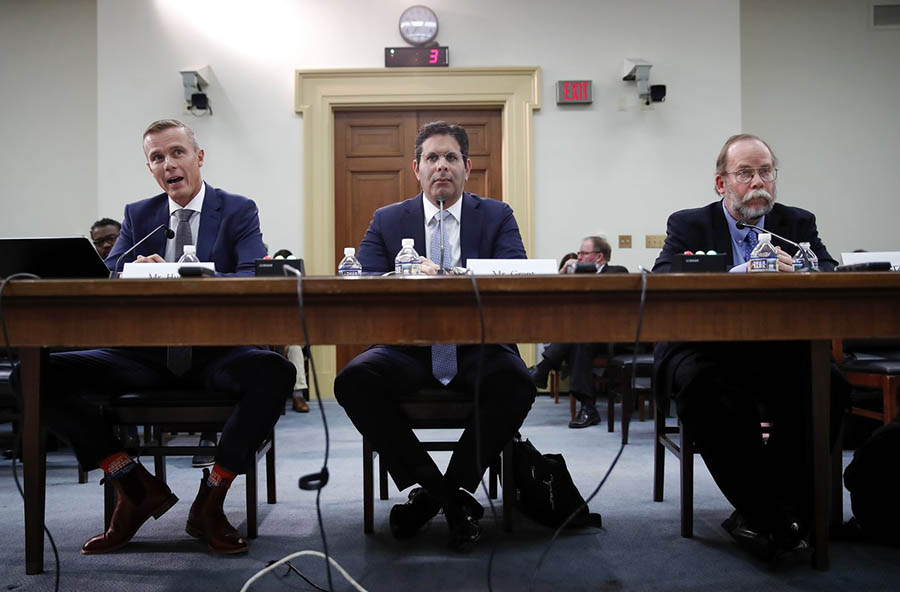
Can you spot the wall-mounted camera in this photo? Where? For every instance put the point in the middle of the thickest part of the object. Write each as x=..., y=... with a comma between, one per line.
x=194, y=79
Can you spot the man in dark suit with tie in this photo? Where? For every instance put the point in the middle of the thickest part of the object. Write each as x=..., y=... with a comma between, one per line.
x=724, y=390
x=580, y=356
x=473, y=227
x=227, y=231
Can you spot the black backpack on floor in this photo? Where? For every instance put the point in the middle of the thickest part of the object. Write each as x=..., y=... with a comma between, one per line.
x=873, y=480
x=545, y=491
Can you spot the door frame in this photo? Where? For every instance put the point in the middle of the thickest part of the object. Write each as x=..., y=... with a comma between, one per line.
x=318, y=93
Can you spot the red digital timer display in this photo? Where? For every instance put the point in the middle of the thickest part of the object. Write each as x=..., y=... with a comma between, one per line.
x=406, y=57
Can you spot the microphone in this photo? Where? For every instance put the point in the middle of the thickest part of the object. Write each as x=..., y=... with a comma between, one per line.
x=169, y=234
x=740, y=225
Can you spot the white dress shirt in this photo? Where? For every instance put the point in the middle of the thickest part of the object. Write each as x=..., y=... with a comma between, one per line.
x=451, y=232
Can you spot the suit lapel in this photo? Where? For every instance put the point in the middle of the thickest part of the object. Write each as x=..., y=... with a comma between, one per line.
x=210, y=220
x=470, y=226
x=721, y=234
x=413, y=224
x=157, y=243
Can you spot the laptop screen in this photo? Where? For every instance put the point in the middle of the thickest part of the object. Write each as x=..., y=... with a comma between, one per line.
x=51, y=258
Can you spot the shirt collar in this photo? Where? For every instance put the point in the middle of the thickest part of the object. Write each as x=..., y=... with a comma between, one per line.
x=431, y=209
x=739, y=236
x=195, y=204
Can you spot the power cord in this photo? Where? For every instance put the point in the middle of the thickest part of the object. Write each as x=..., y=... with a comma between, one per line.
x=329, y=560
x=16, y=446
x=626, y=418
x=314, y=481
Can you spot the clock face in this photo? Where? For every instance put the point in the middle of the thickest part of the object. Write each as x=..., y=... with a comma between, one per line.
x=418, y=25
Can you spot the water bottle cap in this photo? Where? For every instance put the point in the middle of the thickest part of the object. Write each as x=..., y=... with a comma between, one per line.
x=349, y=251
x=408, y=242
x=190, y=248
x=765, y=237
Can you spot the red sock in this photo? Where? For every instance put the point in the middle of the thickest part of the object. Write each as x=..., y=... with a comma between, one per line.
x=220, y=477
x=116, y=464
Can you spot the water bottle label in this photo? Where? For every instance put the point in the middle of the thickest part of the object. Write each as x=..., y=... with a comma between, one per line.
x=763, y=264
x=407, y=268
x=349, y=272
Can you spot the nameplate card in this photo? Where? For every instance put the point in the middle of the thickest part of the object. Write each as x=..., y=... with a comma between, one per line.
x=512, y=266
x=163, y=271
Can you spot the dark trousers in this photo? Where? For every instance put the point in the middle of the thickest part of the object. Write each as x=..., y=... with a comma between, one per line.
x=259, y=379
x=723, y=392
x=580, y=357
x=366, y=388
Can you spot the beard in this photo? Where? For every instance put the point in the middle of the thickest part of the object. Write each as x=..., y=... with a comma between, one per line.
x=742, y=206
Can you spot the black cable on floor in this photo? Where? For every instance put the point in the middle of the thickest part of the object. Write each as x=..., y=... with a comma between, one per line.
x=314, y=481
x=9, y=356
x=626, y=419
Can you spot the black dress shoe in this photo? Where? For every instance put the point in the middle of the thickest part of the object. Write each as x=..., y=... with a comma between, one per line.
x=587, y=416
x=462, y=523
x=757, y=543
x=539, y=375
x=407, y=519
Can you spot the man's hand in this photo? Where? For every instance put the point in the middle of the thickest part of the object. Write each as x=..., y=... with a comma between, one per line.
x=427, y=266
x=154, y=258
x=785, y=261
x=570, y=264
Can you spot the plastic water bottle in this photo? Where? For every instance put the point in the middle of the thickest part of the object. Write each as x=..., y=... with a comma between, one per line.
x=764, y=257
x=805, y=259
x=189, y=255
x=407, y=260
x=349, y=265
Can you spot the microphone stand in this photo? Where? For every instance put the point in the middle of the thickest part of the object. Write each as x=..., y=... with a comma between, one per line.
x=169, y=234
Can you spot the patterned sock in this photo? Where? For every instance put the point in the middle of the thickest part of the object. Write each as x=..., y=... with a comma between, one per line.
x=220, y=477
x=117, y=465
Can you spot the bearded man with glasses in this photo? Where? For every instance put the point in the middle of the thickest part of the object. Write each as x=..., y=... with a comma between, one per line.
x=724, y=390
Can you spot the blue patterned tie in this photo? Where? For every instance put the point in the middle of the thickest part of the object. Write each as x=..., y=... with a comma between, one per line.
x=443, y=357
x=749, y=244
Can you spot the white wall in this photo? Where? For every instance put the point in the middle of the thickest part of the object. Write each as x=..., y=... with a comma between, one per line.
x=48, y=117
x=824, y=90
x=597, y=169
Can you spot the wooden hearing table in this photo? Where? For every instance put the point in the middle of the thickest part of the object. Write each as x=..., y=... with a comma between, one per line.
x=686, y=307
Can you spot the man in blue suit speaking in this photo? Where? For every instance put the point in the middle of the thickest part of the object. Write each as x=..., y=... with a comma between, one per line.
x=473, y=227
x=226, y=227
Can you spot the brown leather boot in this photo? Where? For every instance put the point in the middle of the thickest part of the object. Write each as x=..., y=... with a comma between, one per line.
x=207, y=520
x=139, y=495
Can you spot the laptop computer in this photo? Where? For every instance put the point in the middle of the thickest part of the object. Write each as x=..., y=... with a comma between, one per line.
x=51, y=258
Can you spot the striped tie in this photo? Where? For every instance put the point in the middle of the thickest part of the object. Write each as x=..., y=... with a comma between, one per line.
x=443, y=357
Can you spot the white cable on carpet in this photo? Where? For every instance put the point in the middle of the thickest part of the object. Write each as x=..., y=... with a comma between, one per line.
x=284, y=560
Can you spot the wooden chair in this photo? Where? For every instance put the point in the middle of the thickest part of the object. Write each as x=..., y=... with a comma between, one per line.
x=871, y=365
x=437, y=409
x=620, y=369
x=186, y=410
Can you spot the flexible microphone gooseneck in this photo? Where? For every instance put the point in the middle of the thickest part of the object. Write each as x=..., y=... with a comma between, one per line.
x=169, y=234
x=740, y=225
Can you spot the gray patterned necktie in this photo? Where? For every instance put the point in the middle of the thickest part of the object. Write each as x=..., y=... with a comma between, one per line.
x=749, y=244
x=178, y=358
x=443, y=357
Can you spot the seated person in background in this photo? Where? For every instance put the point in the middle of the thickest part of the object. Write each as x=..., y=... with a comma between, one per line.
x=719, y=388
x=564, y=262
x=104, y=233
x=580, y=356
x=226, y=227
x=474, y=227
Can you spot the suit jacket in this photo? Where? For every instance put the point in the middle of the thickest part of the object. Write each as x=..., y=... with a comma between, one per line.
x=487, y=230
x=229, y=232
x=705, y=228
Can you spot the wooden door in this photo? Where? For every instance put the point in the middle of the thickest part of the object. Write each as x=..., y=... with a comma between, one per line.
x=373, y=155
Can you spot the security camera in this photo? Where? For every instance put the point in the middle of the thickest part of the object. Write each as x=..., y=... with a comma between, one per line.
x=657, y=93
x=194, y=79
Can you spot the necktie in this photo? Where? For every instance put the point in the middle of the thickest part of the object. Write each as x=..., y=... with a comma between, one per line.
x=178, y=358
x=183, y=234
x=443, y=357
x=749, y=244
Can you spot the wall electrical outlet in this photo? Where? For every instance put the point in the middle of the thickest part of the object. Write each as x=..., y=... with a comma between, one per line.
x=624, y=241
x=655, y=241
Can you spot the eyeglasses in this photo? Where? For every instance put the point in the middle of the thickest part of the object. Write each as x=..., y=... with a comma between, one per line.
x=585, y=253
x=766, y=174
x=109, y=238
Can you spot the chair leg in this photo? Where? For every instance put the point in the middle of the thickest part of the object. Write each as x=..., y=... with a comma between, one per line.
x=159, y=467
x=659, y=460
x=687, y=485
x=627, y=405
x=270, y=470
x=82, y=475
x=891, y=395
x=554, y=386
x=571, y=407
x=368, y=489
x=610, y=410
x=252, y=497
x=509, y=487
x=109, y=503
x=493, y=476
x=382, y=480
